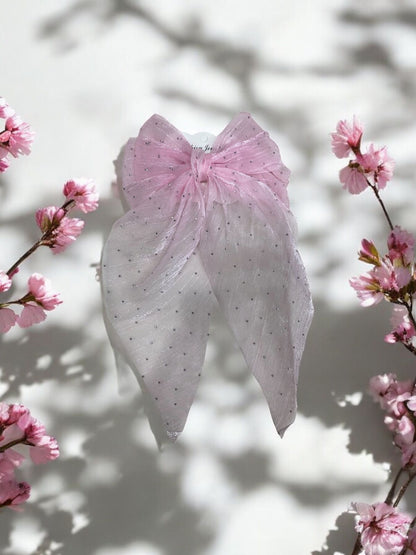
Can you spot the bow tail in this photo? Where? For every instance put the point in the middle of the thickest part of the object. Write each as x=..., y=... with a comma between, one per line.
x=157, y=311
x=260, y=283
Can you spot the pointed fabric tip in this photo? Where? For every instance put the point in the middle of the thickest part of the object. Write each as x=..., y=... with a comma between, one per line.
x=205, y=227
x=282, y=431
x=173, y=436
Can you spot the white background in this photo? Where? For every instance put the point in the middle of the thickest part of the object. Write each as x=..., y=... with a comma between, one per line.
x=86, y=75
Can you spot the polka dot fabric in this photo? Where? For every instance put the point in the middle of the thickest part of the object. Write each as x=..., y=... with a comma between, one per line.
x=205, y=227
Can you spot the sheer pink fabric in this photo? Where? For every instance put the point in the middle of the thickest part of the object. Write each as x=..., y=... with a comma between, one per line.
x=205, y=227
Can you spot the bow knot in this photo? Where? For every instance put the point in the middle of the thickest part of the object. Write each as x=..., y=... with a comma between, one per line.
x=201, y=164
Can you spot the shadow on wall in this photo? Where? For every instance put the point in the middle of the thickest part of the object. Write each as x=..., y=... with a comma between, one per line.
x=123, y=490
x=127, y=490
x=370, y=52
x=243, y=63
x=344, y=350
x=147, y=496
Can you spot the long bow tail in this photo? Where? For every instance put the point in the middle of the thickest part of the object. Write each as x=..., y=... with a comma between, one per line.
x=156, y=294
x=248, y=251
x=158, y=323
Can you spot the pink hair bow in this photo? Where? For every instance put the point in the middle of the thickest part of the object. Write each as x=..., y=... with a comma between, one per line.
x=205, y=227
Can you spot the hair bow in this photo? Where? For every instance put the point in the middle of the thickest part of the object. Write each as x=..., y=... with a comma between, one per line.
x=205, y=227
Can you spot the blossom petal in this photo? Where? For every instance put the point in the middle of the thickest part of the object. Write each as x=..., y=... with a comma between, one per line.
x=31, y=314
x=7, y=319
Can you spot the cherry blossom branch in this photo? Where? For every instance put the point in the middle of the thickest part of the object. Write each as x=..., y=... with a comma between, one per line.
x=49, y=236
x=30, y=251
x=380, y=527
x=17, y=426
x=411, y=543
x=392, y=491
x=10, y=444
x=383, y=207
x=357, y=546
x=58, y=231
x=389, y=501
x=410, y=348
x=403, y=489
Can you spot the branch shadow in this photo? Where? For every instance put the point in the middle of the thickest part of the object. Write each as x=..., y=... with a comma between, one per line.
x=335, y=364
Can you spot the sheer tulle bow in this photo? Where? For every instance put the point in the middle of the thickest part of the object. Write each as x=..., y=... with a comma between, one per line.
x=205, y=227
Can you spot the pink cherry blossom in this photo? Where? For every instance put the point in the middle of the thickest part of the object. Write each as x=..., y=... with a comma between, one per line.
x=391, y=278
x=69, y=229
x=40, y=288
x=391, y=393
x=43, y=447
x=19, y=426
x=411, y=403
x=49, y=217
x=13, y=493
x=8, y=319
x=403, y=333
x=18, y=136
x=385, y=168
x=5, y=110
x=368, y=253
x=347, y=137
x=46, y=449
x=403, y=276
x=353, y=179
x=4, y=139
x=31, y=314
x=396, y=396
x=379, y=385
x=404, y=432
x=39, y=298
x=384, y=279
x=12, y=432
x=58, y=229
x=4, y=413
x=83, y=192
x=367, y=288
x=9, y=460
x=398, y=315
x=391, y=423
x=401, y=244
x=10, y=414
x=383, y=530
x=403, y=329
x=409, y=455
x=33, y=429
x=3, y=151
x=5, y=282
x=378, y=164
x=4, y=163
